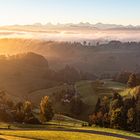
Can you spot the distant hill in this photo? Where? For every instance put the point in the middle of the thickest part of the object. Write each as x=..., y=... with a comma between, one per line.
x=107, y=58
x=20, y=74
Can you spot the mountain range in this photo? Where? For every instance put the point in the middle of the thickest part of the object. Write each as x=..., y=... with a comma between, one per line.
x=78, y=25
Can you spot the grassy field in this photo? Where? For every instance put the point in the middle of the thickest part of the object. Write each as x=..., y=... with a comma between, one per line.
x=113, y=131
x=54, y=135
x=87, y=93
x=88, y=90
x=66, y=121
x=114, y=85
x=63, y=129
x=36, y=96
x=57, y=132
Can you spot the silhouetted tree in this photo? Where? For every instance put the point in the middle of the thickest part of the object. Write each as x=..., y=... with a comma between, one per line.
x=84, y=43
x=98, y=105
x=19, y=114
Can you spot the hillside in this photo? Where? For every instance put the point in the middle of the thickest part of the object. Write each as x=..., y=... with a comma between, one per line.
x=20, y=74
x=88, y=92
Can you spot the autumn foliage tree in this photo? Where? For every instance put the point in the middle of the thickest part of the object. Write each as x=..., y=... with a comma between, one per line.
x=24, y=113
x=46, y=110
x=132, y=82
x=28, y=114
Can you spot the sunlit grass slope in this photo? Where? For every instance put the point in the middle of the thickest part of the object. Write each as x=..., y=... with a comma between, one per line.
x=56, y=135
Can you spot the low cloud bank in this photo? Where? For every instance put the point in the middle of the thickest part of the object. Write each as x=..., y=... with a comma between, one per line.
x=122, y=35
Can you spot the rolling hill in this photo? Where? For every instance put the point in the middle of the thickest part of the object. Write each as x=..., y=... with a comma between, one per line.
x=88, y=91
x=20, y=74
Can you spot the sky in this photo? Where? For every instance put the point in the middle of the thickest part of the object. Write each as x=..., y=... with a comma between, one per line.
x=123, y=12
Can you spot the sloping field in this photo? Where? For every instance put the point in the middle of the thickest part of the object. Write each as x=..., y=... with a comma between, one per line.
x=89, y=91
x=55, y=135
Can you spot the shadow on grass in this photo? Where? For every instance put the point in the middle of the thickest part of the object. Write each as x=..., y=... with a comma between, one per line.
x=17, y=137
x=96, y=132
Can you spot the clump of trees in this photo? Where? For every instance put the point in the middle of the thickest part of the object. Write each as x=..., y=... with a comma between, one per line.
x=5, y=104
x=122, y=77
x=68, y=75
x=131, y=79
x=77, y=106
x=117, y=112
x=24, y=112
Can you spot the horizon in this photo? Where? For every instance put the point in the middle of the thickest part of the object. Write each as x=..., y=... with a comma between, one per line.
x=67, y=23
x=63, y=11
